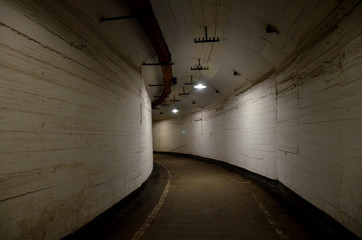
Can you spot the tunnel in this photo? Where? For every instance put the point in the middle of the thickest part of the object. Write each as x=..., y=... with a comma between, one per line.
x=180, y=119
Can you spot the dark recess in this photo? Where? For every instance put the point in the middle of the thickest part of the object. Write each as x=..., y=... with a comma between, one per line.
x=271, y=29
x=90, y=228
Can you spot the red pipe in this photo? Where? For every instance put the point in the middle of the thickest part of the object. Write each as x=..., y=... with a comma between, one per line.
x=142, y=9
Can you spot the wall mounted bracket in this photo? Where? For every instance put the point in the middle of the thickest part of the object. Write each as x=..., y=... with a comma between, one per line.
x=165, y=104
x=184, y=93
x=206, y=39
x=190, y=83
x=160, y=85
x=174, y=82
x=199, y=67
x=174, y=99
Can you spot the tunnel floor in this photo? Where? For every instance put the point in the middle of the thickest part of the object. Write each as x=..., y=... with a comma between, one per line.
x=189, y=199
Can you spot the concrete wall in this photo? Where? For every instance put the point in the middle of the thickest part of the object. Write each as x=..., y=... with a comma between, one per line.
x=75, y=123
x=302, y=126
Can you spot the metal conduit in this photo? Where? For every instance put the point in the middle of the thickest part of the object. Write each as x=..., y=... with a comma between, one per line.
x=142, y=9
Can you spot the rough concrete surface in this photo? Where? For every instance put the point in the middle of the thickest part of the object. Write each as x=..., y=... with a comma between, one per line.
x=204, y=201
x=302, y=126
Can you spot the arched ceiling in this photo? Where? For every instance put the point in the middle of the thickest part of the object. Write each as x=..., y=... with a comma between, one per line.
x=245, y=46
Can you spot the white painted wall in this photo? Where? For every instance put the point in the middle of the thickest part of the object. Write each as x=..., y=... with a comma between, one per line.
x=302, y=126
x=75, y=123
x=241, y=132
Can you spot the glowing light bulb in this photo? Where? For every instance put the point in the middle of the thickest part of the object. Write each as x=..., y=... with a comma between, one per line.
x=175, y=110
x=200, y=86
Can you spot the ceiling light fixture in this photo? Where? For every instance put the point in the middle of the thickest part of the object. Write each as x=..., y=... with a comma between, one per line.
x=175, y=110
x=200, y=86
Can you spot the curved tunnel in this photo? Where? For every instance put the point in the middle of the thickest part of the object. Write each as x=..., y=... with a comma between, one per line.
x=79, y=129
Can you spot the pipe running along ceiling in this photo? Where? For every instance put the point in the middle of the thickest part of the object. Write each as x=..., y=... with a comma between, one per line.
x=142, y=10
x=256, y=39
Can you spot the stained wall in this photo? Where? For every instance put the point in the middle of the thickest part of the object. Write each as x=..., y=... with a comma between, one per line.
x=302, y=126
x=75, y=121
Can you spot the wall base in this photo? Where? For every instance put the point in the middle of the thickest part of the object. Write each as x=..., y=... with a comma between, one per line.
x=87, y=230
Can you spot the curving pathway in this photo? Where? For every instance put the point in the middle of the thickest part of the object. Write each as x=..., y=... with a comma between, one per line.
x=188, y=199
